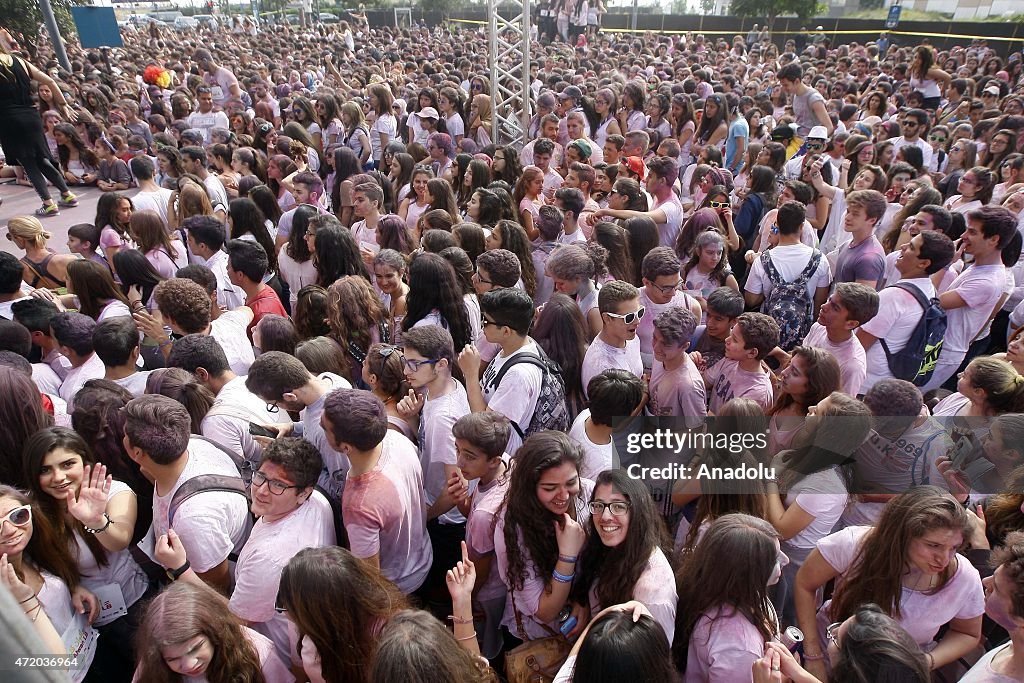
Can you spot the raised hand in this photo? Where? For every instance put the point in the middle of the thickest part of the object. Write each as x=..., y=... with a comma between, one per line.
x=570, y=536
x=9, y=579
x=462, y=578
x=458, y=488
x=91, y=502
x=410, y=406
x=168, y=551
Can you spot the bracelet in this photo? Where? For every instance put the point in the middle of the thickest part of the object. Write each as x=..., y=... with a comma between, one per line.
x=34, y=595
x=472, y=635
x=37, y=609
x=562, y=578
x=931, y=661
x=568, y=559
x=102, y=528
x=459, y=620
x=813, y=658
x=165, y=343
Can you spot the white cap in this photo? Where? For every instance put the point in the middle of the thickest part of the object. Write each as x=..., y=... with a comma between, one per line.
x=428, y=113
x=819, y=132
x=994, y=89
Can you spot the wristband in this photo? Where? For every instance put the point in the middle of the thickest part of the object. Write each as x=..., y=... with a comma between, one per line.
x=102, y=528
x=459, y=620
x=165, y=343
x=175, y=574
x=563, y=578
x=472, y=635
x=813, y=658
x=568, y=559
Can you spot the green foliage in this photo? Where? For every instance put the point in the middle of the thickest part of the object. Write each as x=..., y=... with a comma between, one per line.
x=25, y=17
x=770, y=9
x=873, y=4
x=445, y=7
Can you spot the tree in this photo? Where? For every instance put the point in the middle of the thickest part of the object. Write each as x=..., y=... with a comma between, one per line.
x=445, y=7
x=772, y=9
x=25, y=18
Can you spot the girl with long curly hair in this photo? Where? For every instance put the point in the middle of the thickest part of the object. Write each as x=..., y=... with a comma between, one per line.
x=335, y=252
x=625, y=557
x=540, y=532
x=358, y=320
x=435, y=298
x=511, y=236
x=908, y=564
x=189, y=633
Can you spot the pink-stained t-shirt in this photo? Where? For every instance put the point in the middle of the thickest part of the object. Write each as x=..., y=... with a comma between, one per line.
x=678, y=392
x=385, y=512
x=527, y=599
x=921, y=614
x=853, y=365
x=480, y=532
x=723, y=648
x=269, y=548
x=274, y=669
x=728, y=381
x=656, y=589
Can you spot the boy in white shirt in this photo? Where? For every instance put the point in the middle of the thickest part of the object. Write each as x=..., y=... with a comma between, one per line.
x=849, y=307
x=898, y=310
x=117, y=344
x=614, y=394
x=739, y=374
x=570, y=201
x=617, y=345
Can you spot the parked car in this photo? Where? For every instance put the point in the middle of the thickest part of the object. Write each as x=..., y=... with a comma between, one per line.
x=328, y=18
x=207, y=20
x=183, y=23
x=166, y=17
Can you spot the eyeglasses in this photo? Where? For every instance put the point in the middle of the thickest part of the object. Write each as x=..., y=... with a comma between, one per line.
x=832, y=632
x=476, y=276
x=614, y=191
x=909, y=124
x=19, y=516
x=414, y=365
x=272, y=407
x=665, y=289
x=476, y=86
x=718, y=205
x=484, y=322
x=276, y=487
x=633, y=316
x=618, y=508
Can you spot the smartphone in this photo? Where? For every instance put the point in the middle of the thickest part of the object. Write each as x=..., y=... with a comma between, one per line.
x=260, y=430
x=568, y=625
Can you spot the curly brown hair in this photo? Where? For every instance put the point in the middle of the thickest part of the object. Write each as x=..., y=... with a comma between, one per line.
x=353, y=310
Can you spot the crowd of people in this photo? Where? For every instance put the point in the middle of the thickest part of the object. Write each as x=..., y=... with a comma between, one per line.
x=333, y=387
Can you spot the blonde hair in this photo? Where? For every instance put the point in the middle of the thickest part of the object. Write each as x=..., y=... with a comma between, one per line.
x=28, y=228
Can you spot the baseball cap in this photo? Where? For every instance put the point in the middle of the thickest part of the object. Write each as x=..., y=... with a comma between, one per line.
x=570, y=92
x=428, y=113
x=781, y=133
x=584, y=148
x=992, y=90
x=636, y=165
x=819, y=132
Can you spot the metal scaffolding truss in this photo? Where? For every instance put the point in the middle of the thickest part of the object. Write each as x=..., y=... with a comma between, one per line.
x=510, y=72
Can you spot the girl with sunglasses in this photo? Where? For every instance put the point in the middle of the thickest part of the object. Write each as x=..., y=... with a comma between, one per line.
x=708, y=268
x=626, y=554
x=32, y=551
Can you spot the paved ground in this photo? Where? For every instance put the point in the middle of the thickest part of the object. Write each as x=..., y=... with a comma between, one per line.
x=19, y=200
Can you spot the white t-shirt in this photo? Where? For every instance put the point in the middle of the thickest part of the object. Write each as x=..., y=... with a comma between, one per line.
x=597, y=457
x=230, y=332
x=656, y=589
x=55, y=597
x=115, y=308
x=228, y=420
x=385, y=513
x=982, y=672
x=516, y=396
x=669, y=230
x=121, y=568
x=980, y=287
x=229, y=296
x=135, y=382
x=437, y=444
x=480, y=531
x=207, y=122
x=336, y=465
x=212, y=524
x=153, y=201
x=602, y=356
x=823, y=496
x=921, y=613
x=790, y=260
x=387, y=124
x=76, y=378
x=678, y=393
x=265, y=555
x=727, y=380
x=850, y=355
x=898, y=315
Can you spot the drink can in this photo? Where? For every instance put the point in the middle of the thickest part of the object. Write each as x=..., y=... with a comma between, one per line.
x=793, y=639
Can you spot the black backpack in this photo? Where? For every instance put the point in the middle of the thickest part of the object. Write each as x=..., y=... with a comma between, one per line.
x=551, y=411
x=916, y=361
x=789, y=303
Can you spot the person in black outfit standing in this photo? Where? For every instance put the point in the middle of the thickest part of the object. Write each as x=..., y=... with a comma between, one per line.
x=21, y=128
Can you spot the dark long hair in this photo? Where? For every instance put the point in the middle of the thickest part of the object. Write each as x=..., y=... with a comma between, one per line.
x=346, y=165
x=561, y=331
x=529, y=526
x=434, y=285
x=617, y=648
x=247, y=218
x=709, y=124
x=22, y=415
x=336, y=255
x=106, y=212
x=296, y=247
x=615, y=571
x=876, y=649
x=94, y=286
x=38, y=446
x=514, y=239
x=339, y=603
x=133, y=268
x=726, y=574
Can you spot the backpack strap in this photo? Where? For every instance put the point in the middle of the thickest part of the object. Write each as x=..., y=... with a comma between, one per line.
x=518, y=359
x=235, y=457
x=808, y=271
x=770, y=270
x=204, y=483
x=922, y=300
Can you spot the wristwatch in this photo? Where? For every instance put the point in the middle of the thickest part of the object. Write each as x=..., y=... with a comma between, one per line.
x=175, y=574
